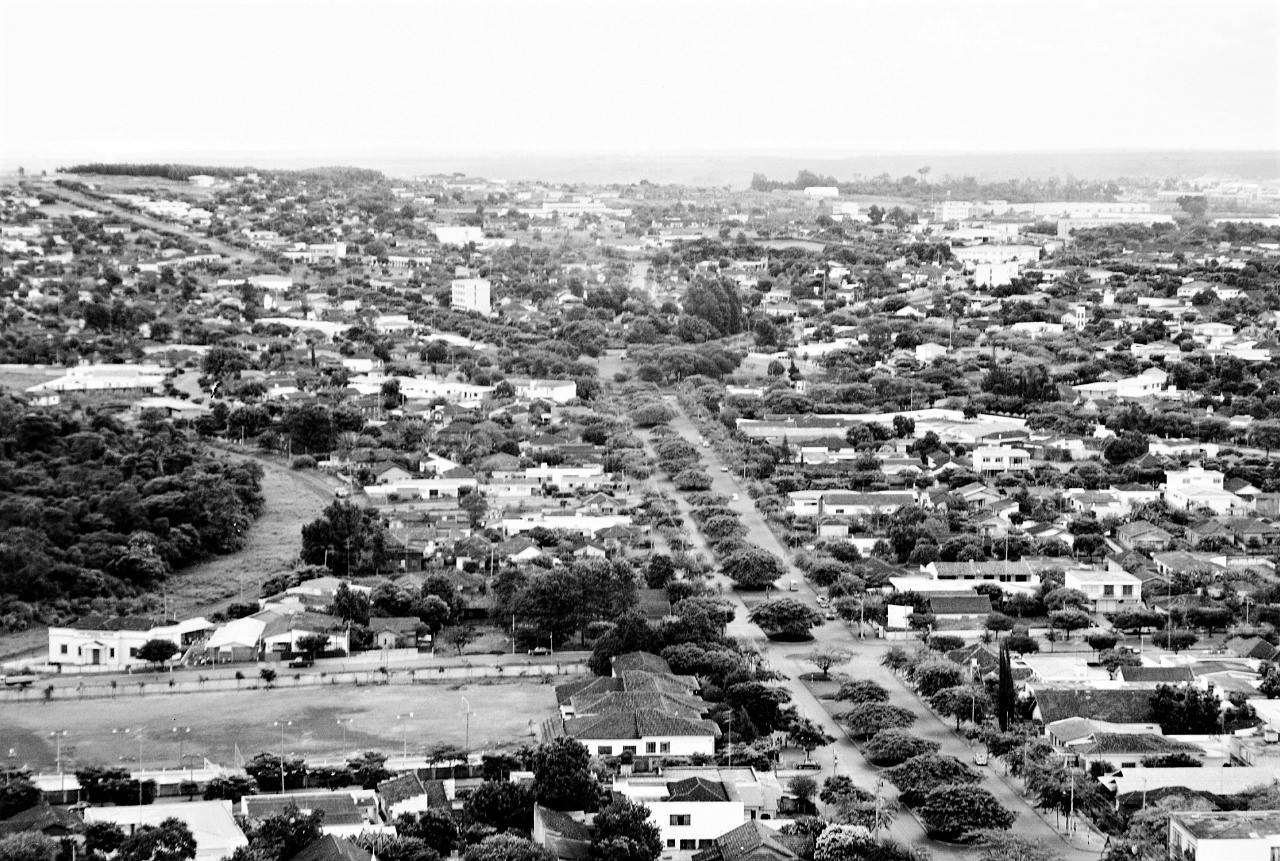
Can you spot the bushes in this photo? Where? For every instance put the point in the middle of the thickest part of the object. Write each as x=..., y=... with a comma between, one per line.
x=304, y=461
x=862, y=691
x=869, y=718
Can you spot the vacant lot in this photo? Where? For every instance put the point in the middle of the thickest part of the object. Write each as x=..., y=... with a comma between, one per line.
x=503, y=715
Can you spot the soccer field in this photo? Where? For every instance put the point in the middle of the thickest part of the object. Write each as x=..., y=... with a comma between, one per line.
x=326, y=722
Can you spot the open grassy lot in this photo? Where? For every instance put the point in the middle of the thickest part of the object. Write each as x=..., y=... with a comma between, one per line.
x=17, y=378
x=503, y=715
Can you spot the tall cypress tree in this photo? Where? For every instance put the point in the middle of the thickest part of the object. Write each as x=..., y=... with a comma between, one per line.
x=1004, y=691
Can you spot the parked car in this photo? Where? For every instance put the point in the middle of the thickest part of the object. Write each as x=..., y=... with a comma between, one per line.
x=980, y=756
x=724, y=469
x=809, y=765
x=831, y=616
x=540, y=650
x=823, y=600
x=302, y=661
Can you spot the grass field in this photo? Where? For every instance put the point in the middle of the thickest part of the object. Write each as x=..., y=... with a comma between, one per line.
x=503, y=715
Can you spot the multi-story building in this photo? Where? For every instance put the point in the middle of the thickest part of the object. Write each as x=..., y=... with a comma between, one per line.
x=1109, y=591
x=1225, y=835
x=472, y=294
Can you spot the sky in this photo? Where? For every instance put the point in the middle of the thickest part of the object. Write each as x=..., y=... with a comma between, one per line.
x=256, y=81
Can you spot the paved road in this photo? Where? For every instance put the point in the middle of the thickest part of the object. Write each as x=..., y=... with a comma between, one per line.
x=843, y=757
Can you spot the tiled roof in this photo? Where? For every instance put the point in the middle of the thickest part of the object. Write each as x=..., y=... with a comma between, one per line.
x=561, y=823
x=645, y=723
x=1111, y=705
x=646, y=661
x=114, y=623
x=566, y=692
x=752, y=841
x=1145, y=743
x=401, y=788
x=399, y=624
x=339, y=807
x=1251, y=647
x=43, y=818
x=610, y=702
x=696, y=789
x=970, y=605
x=1168, y=675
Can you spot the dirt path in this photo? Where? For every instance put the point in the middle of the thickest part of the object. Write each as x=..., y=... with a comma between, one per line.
x=293, y=499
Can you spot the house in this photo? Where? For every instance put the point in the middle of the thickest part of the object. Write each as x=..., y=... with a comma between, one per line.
x=1153, y=676
x=1109, y=591
x=1225, y=835
x=114, y=641
x=408, y=793
x=1251, y=647
x=471, y=294
x=1141, y=535
x=978, y=572
x=43, y=818
x=689, y=813
x=1114, y=705
x=988, y=460
x=347, y=813
x=566, y=838
x=844, y=503
x=960, y=606
x=1196, y=487
x=556, y=391
x=215, y=829
x=641, y=731
x=753, y=841
x=1115, y=751
x=394, y=632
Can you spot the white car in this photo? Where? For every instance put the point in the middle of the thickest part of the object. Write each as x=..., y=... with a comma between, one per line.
x=724, y=469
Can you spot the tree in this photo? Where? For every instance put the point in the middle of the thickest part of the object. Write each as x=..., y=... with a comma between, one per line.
x=1069, y=620
x=1005, y=696
x=435, y=828
x=16, y=795
x=803, y=787
x=1101, y=641
x=461, y=637
x=1210, y=618
x=311, y=644
x=1179, y=640
x=350, y=605
x=997, y=622
x=562, y=776
x=434, y=612
x=171, y=840
x=936, y=674
x=282, y=835
x=893, y=746
x=954, y=811
x=649, y=415
x=507, y=847
x=962, y=701
x=826, y=658
x=1195, y=205
x=808, y=736
x=157, y=651
x=1000, y=845
x=101, y=838
x=1172, y=760
x=753, y=567
x=844, y=843
x=347, y=538
x=269, y=771
x=501, y=805
x=232, y=787
x=866, y=719
x=1114, y=659
x=28, y=846
x=862, y=691
x=1136, y=621
x=623, y=832
x=1063, y=598
x=945, y=643
x=369, y=768
x=786, y=618
x=1023, y=644
x=921, y=774
x=1185, y=710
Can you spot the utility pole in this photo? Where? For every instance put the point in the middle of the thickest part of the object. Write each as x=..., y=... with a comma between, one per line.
x=282, y=724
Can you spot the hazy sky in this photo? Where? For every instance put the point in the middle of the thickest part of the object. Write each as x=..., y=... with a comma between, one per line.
x=125, y=79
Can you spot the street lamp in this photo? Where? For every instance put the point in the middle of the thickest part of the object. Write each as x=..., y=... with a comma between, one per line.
x=404, y=726
x=138, y=775
x=344, y=723
x=58, y=736
x=282, y=724
x=181, y=733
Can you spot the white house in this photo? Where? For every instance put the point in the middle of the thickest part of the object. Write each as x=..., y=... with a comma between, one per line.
x=689, y=813
x=643, y=731
x=1225, y=835
x=212, y=824
x=556, y=391
x=114, y=642
x=1109, y=591
x=1196, y=487
x=993, y=458
x=449, y=234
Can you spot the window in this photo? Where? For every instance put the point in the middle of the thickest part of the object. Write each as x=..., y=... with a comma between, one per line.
x=688, y=844
x=628, y=748
x=650, y=747
x=681, y=819
x=1275, y=853
x=1108, y=590
x=664, y=747
x=112, y=653
x=133, y=653
x=1127, y=591
x=671, y=843
x=706, y=844
x=605, y=750
x=63, y=649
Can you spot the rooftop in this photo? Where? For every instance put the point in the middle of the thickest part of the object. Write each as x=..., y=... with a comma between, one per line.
x=1229, y=824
